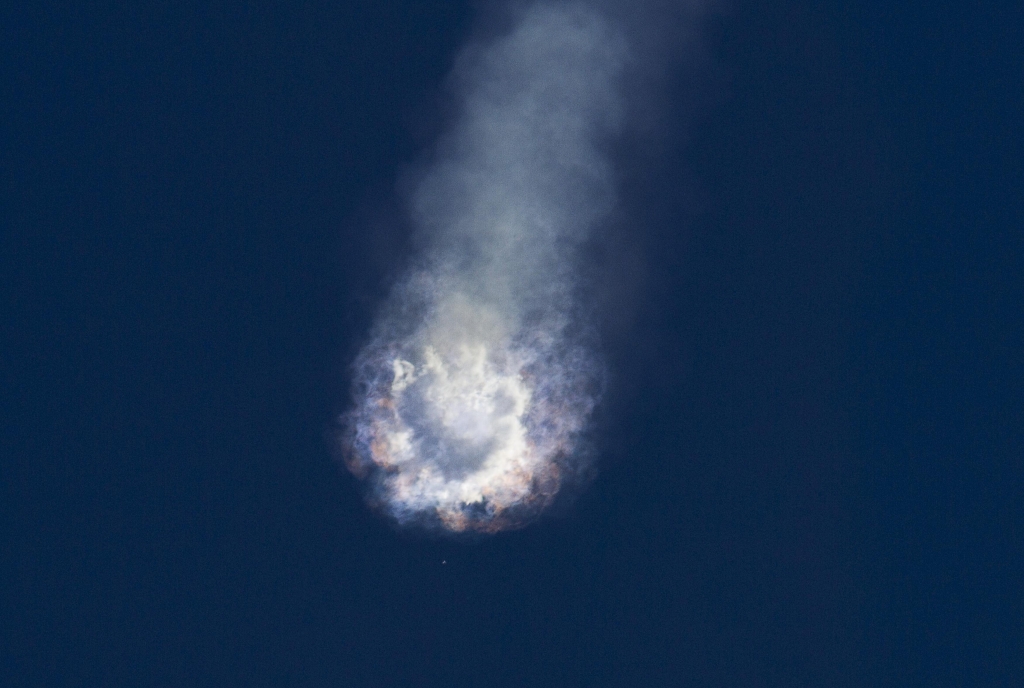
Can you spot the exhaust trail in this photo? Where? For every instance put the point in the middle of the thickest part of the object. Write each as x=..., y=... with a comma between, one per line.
x=473, y=396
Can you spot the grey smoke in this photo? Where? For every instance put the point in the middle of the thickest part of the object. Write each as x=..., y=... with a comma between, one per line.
x=482, y=371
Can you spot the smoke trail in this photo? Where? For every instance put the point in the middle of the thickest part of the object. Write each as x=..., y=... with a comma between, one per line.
x=476, y=387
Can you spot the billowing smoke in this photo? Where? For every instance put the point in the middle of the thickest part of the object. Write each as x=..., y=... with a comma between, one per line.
x=474, y=393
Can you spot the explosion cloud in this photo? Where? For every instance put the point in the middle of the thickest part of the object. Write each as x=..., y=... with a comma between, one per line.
x=476, y=387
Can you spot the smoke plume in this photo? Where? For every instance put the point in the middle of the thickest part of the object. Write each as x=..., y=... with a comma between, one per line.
x=473, y=395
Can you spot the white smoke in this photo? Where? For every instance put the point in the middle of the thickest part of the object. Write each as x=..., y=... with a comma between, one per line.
x=474, y=392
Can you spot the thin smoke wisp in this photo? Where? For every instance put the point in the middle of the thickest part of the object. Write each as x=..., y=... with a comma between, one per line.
x=473, y=394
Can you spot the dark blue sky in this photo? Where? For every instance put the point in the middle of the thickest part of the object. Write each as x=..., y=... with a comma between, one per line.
x=811, y=450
